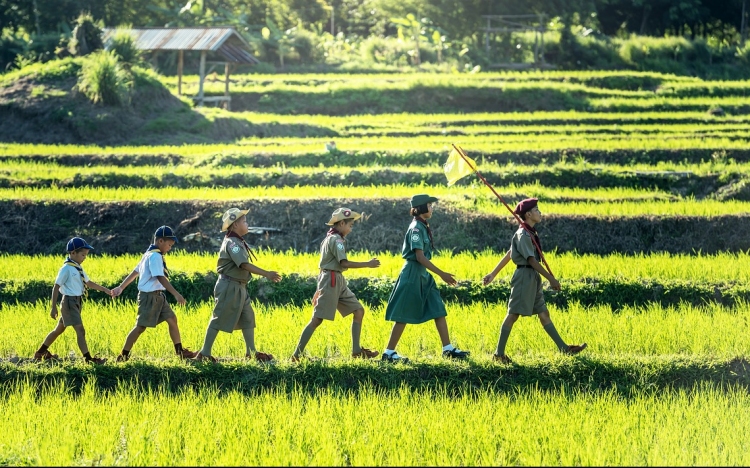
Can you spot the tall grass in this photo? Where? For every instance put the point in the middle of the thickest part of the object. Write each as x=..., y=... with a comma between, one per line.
x=103, y=80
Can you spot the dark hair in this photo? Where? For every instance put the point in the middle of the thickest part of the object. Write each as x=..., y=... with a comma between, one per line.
x=343, y=221
x=78, y=250
x=418, y=210
x=157, y=239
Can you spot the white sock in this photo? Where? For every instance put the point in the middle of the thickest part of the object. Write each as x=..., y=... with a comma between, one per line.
x=449, y=347
x=389, y=351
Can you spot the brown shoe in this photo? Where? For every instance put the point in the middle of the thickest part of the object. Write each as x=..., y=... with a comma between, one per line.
x=45, y=356
x=575, y=349
x=262, y=357
x=96, y=360
x=122, y=357
x=200, y=358
x=503, y=359
x=187, y=354
x=365, y=354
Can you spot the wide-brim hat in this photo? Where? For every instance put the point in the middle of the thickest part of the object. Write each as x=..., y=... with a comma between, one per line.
x=421, y=199
x=78, y=243
x=165, y=232
x=230, y=216
x=341, y=214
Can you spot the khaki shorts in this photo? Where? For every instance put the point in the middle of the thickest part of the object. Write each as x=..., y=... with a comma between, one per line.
x=70, y=311
x=526, y=296
x=153, y=309
x=330, y=297
x=232, y=310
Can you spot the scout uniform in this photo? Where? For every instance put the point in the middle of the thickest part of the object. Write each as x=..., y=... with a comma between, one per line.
x=232, y=310
x=415, y=297
x=72, y=281
x=153, y=307
x=332, y=292
x=526, y=296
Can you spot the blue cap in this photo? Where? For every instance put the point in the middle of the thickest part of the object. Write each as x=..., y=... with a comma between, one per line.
x=78, y=243
x=165, y=231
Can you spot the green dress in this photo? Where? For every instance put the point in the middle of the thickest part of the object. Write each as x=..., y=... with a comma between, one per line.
x=415, y=297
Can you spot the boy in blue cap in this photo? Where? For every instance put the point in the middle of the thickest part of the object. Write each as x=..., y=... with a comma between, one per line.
x=153, y=307
x=72, y=281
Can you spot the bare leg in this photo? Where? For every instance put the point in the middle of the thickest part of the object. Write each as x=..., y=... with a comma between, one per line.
x=133, y=336
x=81, y=338
x=359, y=314
x=396, y=332
x=58, y=330
x=174, y=330
x=442, y=327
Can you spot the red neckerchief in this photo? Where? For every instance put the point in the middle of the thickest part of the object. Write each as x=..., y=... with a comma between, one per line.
x=429, y=231
x=247, y=247
x=533, y=233
x=333, y=231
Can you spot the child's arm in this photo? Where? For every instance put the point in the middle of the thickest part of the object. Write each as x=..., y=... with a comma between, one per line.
x=93, y=285
x=447, y=277
x=504, y=261
x=119, y=289
x=168, y=286
x=271, y=275
x=554, y=284
x=53, y=310
x=373, y=263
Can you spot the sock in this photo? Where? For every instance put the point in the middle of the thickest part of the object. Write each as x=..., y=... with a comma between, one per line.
x=87, y=356
x=448, y=347
x=356, y=332
x=389, y=351
x=552, y=332
x=504, y=334
x=208, y=342
x=307, y=333
x=125, y=352
x=42, y=348
x=249, y=335
x=178, y=348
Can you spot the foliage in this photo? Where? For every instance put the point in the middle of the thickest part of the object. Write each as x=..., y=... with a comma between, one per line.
x=86, y=37
x=122, y=44
x=103, y=80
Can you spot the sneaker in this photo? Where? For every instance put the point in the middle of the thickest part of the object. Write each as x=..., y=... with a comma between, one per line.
x=456, y=353
x=365, y=354
x=394, y=358
x=200, y=358
x=96, y=360
x=45, y=356
x=502, y=359
x=187, y=354
x=262, y=357
x=575, y=349
x=122, y=357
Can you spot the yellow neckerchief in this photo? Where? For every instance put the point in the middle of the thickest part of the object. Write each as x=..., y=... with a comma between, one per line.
x=154, y=248
x=77, y=266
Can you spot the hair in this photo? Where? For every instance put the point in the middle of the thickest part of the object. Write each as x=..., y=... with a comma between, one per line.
x=418, y=210
x=77, y=250
x=157, y=239
x=343, y=221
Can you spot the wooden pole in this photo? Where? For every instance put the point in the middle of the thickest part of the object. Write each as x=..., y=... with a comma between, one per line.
x=180, y=61
x=202, y=77
x=226, y=84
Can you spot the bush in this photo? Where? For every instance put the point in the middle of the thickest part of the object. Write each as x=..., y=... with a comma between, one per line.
x=122, y=44
x=87, y=36
x=103, y=80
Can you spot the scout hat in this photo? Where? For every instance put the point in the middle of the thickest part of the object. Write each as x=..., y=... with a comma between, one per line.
x=341, y=214
x=78, y=243
x=165, y=231
x=230, y=216
x=421, y=199
x=525, y=206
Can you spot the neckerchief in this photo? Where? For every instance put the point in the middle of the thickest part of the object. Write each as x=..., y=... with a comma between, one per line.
x=429, y=231
x=247, y=247
x=154, y=248
x=77, y=266
x=535, y=235
x=333, y=231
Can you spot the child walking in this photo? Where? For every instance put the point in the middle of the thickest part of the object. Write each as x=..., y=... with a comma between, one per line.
x=415, y=297
x=526, y=296
x=232, y=309
x=153, y=307
x=332, y=292
x=72, y=281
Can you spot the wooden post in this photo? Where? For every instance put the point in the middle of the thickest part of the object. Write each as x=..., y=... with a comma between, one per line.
x=226, y=84
x=180, y=61
x=202, y=77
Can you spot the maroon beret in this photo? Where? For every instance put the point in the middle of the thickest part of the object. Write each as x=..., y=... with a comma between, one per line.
x=525, y=206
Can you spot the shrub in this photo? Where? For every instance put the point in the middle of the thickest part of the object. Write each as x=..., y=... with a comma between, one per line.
x=122, y=44
x=103, y=80
x=87, y=36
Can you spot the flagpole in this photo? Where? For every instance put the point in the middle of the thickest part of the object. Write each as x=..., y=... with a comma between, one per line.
x=481, y=177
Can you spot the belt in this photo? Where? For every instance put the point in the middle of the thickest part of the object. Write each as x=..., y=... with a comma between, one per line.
x=158, y=291
x=333, y=276
x=518, y=267
x=229, y=278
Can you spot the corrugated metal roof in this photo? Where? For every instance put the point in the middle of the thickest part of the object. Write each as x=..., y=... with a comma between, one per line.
x=195, y=39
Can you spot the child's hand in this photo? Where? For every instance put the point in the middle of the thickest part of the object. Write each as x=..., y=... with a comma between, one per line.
x=488, y=279
x=180, y=300
x=448, y=278
x=373, y=263
x=554, y=284
x=108, y=292
x=117, y=291
x=273, y=276
x=53, y=312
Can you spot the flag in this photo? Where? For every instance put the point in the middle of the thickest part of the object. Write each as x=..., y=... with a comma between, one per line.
x=457, y=167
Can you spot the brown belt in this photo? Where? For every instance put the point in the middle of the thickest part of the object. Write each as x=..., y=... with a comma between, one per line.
x=229, y=278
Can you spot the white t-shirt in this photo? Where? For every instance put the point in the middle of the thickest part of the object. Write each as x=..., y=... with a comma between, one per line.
x=150, y=266
x=70, y=282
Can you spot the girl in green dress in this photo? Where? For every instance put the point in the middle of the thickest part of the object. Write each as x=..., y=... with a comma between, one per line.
x=415, y=297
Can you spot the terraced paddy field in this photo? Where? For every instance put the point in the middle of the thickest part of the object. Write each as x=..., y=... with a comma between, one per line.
x=643, y=184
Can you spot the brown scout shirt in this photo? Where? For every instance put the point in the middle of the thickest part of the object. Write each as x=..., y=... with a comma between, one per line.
x=231, y=255
x=332, y=251
x=521, y=248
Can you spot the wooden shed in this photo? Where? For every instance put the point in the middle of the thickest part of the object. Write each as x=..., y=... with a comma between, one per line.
x=223, y=42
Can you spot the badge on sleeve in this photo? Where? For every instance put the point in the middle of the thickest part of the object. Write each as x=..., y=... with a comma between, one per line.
x=415, y=237
x=235, y=248
x=340, y=245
